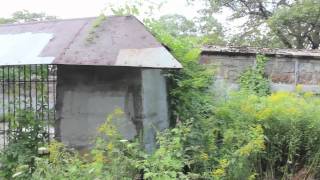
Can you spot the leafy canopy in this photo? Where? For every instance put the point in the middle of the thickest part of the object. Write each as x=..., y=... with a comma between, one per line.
x=26, y=16
x=295, y=23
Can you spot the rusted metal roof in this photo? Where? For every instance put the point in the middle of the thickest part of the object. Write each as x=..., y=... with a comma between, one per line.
x=237, y=50
x=117, y=41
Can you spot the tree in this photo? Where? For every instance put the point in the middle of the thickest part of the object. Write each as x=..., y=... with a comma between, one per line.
x=26, y=16
x=300, y=22
x=202, y=30
x=296, y=23
x=178, y=25
x=5, y=21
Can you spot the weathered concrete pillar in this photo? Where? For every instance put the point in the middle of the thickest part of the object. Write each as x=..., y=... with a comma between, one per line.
x=155, y=105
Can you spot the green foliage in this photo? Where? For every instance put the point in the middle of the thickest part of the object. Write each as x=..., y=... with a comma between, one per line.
x=115, y=158
x=92, y=34
x=189, y=95
x=205, y=30
x=254, y=79
x=145, y=8
x=299, y=22
x=177, y=25
x=290, y=141
x=24, y=72
x=248, y=136
x=277, y=23
x=25, y=136
x=111, y=158
x=26, y=16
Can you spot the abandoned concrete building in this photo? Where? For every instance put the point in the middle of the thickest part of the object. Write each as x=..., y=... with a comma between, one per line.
x=286, y=68
x=90, y=68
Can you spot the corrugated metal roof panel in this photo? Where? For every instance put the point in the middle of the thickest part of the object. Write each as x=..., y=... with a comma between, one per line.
x=15, y=49
x=117, y=41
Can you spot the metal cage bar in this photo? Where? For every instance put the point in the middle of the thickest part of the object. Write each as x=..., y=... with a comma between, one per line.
x=27, y=89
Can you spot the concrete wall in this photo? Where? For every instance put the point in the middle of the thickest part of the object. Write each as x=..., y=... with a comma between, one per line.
x=155, y=105
x=87, y=94
x=284, y=72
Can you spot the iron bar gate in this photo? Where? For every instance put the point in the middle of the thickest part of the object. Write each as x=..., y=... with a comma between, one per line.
x=27, y=92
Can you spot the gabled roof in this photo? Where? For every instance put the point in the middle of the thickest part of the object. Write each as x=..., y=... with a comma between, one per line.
x=116, y=41
x=252, y=51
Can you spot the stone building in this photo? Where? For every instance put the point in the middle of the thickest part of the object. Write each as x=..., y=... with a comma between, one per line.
x=101, y=64
x=286, y=68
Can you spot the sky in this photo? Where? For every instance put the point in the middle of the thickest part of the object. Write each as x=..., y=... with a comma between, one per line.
x=67, y=9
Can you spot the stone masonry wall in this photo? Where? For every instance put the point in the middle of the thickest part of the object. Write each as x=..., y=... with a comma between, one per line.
x=284, y=72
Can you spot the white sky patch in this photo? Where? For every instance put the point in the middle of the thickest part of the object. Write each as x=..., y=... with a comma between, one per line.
x=15, y=49
x=67, y=9
x=83, y=8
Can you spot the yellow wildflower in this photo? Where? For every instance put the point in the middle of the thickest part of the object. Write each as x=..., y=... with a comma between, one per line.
x=292, y=111
x=102, y=128
x=264, y=114
x=110, y=146
x=308, y=94
x=254, y=145
x=299, y=88
x=279, y=97
x=224, y=163
x=118, y=112
x=204, y=156
x=99, y=158
x=218, y=172
x=221, y=171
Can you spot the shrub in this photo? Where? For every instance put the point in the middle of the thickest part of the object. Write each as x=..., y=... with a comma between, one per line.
x=190, y=97
x=25, y=136
x=290, y=125
x=254, y=79
x=249, y=137
x=115, y=158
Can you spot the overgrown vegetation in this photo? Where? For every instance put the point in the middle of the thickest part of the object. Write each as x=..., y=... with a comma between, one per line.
x=189, y=95
x=25, y=136
x=248, y=137
x=253, y=134
x=254, y=79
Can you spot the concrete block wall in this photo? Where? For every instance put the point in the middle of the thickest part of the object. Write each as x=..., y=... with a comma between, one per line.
x=87, y=94
x=284, y=72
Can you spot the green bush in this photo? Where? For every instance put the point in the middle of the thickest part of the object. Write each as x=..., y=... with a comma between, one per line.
x=25, y=136
x=290, y=128
x=115, y=158
x=254, y=79
x=189, y=97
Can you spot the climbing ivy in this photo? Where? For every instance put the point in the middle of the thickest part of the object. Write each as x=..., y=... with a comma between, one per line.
x=254, y=79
